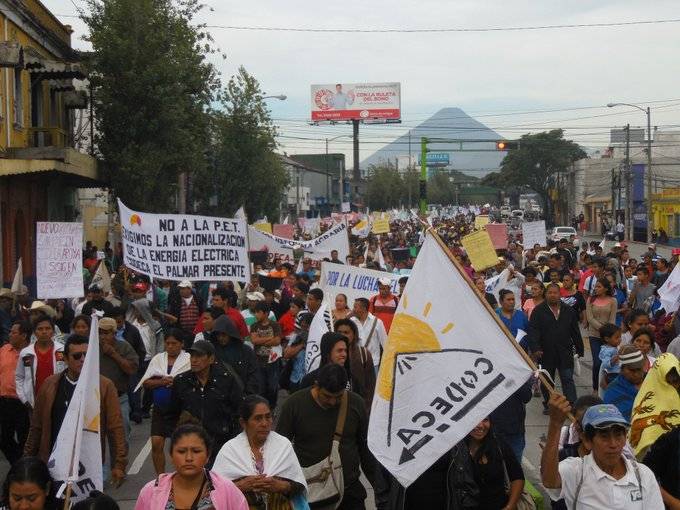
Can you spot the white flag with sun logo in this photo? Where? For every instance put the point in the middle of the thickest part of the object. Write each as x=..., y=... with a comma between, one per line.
x=447, y=364
x=77, y=455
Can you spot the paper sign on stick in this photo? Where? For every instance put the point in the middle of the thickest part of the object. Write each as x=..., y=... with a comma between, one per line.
x=479, y=248
x=533, y=232
x=59, y=259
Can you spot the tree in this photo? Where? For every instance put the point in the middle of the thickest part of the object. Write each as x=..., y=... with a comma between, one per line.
x=386, y=188
x=152, y=89
x=536, y=163
x=440, y=190
x=243, y=168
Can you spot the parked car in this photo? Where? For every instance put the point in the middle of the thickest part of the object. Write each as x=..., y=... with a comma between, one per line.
x=563, y=232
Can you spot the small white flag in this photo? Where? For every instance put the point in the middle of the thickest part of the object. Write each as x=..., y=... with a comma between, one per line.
x=669, y=292
x=241, y=214
x=18, y=281
x=316, y=330
x=603, y=243
x=381, y=259
x=102, y=278
x=76, y=459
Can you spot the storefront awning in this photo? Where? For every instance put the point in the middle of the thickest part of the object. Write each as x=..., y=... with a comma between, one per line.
x=36, y=64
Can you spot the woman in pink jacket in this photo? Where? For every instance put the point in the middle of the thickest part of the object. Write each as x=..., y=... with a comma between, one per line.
x=191, y=486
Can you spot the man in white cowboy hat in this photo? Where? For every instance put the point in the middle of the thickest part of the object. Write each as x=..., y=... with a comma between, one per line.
x=38, y=361
x=39, y=309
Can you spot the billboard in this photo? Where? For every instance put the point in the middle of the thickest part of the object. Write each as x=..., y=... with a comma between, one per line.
x=356, y=101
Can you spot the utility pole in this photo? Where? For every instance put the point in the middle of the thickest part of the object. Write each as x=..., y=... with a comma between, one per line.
x=423, y=175
x=613, y=198
x=650, y=213
x=629, y=195
x=619, y=184
x=328, y=203
x=408, y=172
x=355, y=134
x=182, y=192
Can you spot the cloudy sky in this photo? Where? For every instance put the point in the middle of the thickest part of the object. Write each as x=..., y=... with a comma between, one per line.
x=495, y=76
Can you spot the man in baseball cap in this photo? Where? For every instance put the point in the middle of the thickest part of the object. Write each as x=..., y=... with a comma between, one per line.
x=604, y=478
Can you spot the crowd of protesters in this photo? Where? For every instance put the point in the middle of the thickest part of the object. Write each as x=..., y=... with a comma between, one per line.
x=218, y=369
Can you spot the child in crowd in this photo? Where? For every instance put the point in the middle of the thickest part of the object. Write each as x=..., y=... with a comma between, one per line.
x=609, y=355
x=644, y=340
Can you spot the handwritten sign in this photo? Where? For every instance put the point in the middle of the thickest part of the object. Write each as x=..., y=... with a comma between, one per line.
x=59, y=259
x=499, y=235
x=479, y=248
x=533, y=232
x=185, y=247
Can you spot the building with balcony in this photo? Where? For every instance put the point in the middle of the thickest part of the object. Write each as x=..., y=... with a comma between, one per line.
x=40, y=170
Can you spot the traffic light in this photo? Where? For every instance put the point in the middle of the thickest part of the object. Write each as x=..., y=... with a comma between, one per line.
x=505, y=145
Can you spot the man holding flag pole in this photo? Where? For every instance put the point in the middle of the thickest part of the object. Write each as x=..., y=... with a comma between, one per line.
x=74, y=411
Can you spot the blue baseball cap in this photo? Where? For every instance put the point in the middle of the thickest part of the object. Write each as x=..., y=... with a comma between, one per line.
x=602, y=416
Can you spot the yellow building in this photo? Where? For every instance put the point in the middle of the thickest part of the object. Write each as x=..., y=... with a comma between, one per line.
x=39, y=168
x=666, y=209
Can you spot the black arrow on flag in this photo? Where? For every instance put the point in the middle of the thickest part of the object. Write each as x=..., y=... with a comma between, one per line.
x=409, y=453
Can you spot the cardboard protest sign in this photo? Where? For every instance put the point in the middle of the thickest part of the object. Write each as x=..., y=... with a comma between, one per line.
x=480, y=221
x=353, y=282
x=59, y=259
x=437, y=381
x=381, y=224
x=480, y=250
x=185, y=247
x=533, y=232
x=499, y=235
x=285, y=230
x=315, y=249
x=263, y=227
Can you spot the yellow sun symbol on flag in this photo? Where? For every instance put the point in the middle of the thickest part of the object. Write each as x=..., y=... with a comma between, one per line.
x=407, y=334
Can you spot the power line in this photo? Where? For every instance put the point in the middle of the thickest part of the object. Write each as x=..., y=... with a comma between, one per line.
x=442, y=30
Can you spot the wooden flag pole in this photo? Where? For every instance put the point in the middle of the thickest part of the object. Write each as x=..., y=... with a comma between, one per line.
x=544, y=380
x=67, y=497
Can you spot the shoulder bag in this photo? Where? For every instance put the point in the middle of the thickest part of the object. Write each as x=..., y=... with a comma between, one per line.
x=525, y=501
x=325, y=481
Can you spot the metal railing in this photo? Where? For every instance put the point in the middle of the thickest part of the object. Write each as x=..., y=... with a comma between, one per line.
x=47, y=137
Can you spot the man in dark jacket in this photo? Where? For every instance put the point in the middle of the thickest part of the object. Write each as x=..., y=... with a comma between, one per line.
x=236, y=356
x=554, y=336
x=508, y=419
x=97, y=302
x=209, y=394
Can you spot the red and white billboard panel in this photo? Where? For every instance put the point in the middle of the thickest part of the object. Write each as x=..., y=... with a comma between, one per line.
x=350, y=101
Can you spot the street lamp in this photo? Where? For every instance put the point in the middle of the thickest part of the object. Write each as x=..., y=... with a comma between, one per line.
x=650, y=215
x=280, y=97
x=342, y=171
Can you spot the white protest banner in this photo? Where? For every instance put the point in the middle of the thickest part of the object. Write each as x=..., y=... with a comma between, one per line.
x=76, y=459
x=353, y=282
x=185, y=247
x=59, y=259
x=533, y=232
x=316, y=330
x=446, y=365
x=316, y=249
x=669, y=292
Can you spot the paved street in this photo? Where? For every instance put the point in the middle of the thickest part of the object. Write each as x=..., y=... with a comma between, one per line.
x=140, y=469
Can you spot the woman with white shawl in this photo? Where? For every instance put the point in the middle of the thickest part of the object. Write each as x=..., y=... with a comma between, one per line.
x=158, y=378
x=261, y=462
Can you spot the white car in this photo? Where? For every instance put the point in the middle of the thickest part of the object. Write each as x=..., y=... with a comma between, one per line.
x=563, y=233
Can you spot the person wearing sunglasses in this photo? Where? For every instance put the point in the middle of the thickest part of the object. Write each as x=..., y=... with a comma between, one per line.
x=53, y=400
